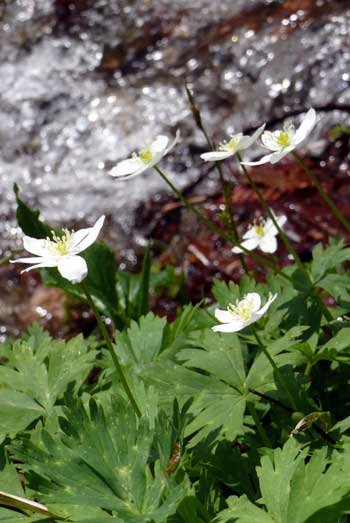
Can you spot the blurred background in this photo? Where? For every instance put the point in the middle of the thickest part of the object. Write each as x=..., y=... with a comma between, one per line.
x=85, y=83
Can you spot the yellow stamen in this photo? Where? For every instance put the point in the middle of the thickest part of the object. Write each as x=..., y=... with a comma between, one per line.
x=284, y=139
x=146, y=155
x=60, y=244
x=229, y=146
x=243, y=309
x=259, y=229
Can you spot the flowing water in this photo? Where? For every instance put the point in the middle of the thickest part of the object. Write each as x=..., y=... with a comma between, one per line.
x=84, y=83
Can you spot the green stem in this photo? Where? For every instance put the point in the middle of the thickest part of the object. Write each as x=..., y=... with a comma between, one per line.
x=267, y=209
x=275, y=368
x=323, y=307
x=308, y=369
x=262, y=432
x=115, y=359
x=265, y=397
x=216, y=229
x=323, y=193
x=227, y=193
x=285, y=240
x=278, y=403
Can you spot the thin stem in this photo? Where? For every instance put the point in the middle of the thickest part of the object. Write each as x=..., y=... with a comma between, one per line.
x=275, y=368
x=279, y=403
x=267, y=209
x=285, y=240
x=216, y=229
x=227, y=193
x=115, y=359
x=262, y=432
x=274, y=401
x=322, y=192
x=322, y=305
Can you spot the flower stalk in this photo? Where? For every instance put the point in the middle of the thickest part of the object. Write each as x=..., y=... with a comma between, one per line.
x=271, y=215
x=225, y=188
x=275, y=368
x=216, y=229
x=109, y=344
x=339, y=215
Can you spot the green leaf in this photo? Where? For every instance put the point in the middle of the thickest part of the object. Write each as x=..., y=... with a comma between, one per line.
x=38, y=372
x=284, y=352
x=102, y=461
x=337, y=285
x=17, y=411
x=12, y=495
x=143, y=341
x=339, y=342
x=296, y=491
x=28, y=219
x=142, y=299
x=329, y=258
x=243, y=511
x=99, y=281
x=218, y=388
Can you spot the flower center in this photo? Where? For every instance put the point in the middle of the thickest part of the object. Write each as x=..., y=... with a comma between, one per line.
x=259, y=229
x=284, y=139
x=146, y=155
x=61, y=245
x=243, y=309
x=230, y=145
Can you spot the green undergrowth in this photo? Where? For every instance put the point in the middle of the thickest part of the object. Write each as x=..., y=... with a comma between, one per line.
x=219, y=439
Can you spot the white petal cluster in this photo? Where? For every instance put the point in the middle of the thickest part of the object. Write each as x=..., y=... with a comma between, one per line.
x=261, y=235
x=243, y=313
x=62, y=251
x=238, y=142
x=284, y=141
x=144, y=159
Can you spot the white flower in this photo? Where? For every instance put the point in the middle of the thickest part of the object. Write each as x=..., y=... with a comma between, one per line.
x=238, y=142
x=145, y=159
x=284, y=141
x=61, y=252
x=244, y=313
x=261, y=235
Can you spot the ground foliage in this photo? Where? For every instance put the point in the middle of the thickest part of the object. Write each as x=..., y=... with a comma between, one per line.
x=222, y=438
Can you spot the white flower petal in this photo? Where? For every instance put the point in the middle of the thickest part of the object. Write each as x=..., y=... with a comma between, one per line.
x=73, y=268
x=254, y=300
x=37, y=259
x=159, y=144
x=269, y=140
x=270, y=228
x=42, y=265
x=224, y=316
x=277, y=156
x=247, y=141
x=173, y=143
x=39, y=262
x=263, y=309
x=129, y=167
x=264, y=159
x=251, y=233
x=234, y=326
x=83, y=238
x=268, y=243
x=216, y=156
x=249, y=244
x=35, y=245
x=306, y=126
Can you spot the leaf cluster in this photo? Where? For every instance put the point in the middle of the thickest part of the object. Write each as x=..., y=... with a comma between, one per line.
x=224, y=436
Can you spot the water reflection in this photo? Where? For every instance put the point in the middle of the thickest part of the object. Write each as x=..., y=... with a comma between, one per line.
x=85, y=83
